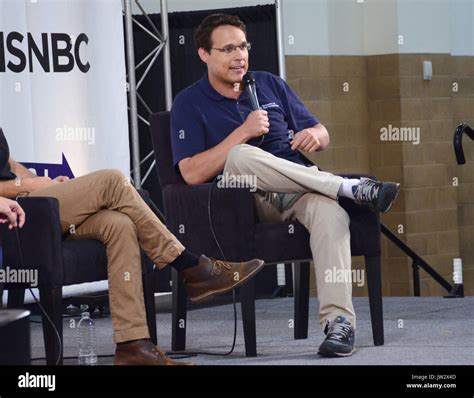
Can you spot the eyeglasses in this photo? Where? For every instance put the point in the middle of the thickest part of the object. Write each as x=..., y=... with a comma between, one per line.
x=231, y=48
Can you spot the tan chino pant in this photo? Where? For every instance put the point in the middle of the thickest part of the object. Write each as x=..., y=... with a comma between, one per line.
x=315, y=207
x=104, y=206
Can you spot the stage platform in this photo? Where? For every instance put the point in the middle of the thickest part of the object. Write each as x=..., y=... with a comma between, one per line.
x=418, y=331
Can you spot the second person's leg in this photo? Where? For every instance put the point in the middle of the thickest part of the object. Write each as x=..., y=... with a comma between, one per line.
x=109, y=189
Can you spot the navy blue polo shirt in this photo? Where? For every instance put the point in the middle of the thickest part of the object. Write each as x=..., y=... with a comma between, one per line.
x=201, y=117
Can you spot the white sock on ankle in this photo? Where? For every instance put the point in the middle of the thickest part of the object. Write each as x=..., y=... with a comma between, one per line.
x=346, y=187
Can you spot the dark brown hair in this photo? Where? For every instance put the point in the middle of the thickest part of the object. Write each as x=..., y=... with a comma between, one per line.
x=204, y=31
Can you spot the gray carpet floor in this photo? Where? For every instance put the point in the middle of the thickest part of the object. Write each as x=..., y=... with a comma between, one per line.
x=418, y=331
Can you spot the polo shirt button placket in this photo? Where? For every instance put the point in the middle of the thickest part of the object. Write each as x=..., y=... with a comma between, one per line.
x=237, y=103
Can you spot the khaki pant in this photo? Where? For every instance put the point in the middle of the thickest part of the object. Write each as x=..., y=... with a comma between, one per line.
x=315, y=206
x=105, y=207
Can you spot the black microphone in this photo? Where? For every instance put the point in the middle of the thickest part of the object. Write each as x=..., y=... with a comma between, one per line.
x=251, y=89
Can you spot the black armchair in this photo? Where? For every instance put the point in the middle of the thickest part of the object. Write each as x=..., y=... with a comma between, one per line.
x=60, y=263
x=242, y=238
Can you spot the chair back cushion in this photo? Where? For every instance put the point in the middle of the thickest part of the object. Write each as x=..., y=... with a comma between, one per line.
x=160, y=136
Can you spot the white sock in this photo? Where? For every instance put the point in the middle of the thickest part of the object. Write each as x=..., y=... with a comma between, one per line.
x=346, y=187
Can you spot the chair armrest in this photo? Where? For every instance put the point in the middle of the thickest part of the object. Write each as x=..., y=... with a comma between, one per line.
x=41, y=241
x=364, y=226
x=233, y=218
x=357, y=175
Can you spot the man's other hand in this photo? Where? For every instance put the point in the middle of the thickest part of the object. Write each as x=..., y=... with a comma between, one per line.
x=306, y=140
x=11, y=213
x=256, y=124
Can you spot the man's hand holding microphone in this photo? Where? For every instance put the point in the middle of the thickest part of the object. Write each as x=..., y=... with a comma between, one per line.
x=255, y=125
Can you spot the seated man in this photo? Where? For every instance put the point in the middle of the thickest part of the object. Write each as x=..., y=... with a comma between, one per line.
x=104, y=206
x=215, y=129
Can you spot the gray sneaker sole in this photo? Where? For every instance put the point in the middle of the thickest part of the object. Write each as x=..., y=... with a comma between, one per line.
x=334, y=354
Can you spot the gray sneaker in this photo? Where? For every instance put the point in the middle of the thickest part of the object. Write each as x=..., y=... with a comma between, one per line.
x=377, y=196
x=339, y=341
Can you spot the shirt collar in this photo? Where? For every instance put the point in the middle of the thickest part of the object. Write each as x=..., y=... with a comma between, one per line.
x=215, y=95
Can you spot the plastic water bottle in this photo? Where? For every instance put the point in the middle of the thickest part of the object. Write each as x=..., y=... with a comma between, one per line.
x=86, y=339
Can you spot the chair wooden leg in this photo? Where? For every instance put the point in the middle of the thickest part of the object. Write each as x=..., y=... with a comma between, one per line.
x=179, y=297
x=16, y=298
x=247, y=302
x=301, y=295
x=51, y=300
x=150, y=309
x=374, y=281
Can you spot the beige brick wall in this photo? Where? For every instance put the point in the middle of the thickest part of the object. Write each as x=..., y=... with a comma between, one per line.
x=386, y=164
x=320, y=83
x=434, y=217
x=430, y=197
x=462, y=70
x=335, y=90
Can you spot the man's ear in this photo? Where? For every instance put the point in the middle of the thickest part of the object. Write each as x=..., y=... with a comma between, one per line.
x=203, y=54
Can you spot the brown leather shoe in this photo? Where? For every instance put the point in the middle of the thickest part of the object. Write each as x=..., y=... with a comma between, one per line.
x=143, y=352
x=211, y=277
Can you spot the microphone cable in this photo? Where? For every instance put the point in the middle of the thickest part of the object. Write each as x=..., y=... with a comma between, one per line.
x=186, y=354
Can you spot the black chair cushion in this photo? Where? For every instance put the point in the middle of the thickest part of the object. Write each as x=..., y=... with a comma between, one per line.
x=275, y=243
x=84, y=261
